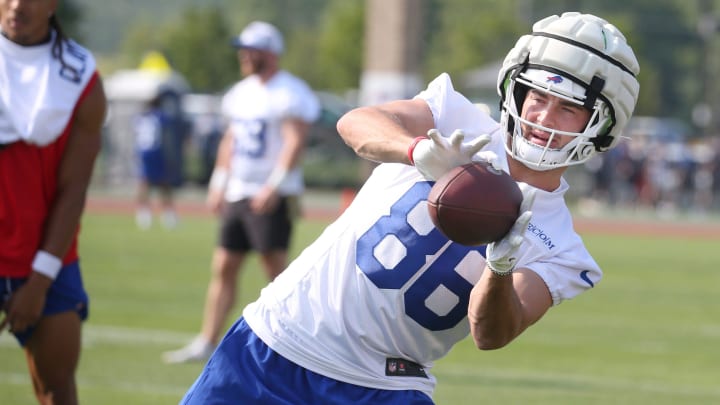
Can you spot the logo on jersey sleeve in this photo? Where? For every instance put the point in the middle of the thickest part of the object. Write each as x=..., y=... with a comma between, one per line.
x=585, y=276
x=540, y=234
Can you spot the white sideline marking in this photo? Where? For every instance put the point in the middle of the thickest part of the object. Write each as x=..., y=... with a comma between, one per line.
x=94, y=334
x=131, y=336
x=107, y=334
x=97, y=334
x=15, y=378
x=576, y=381
x=23, y=379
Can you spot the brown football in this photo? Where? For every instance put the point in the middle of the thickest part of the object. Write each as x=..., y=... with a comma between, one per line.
x=474, y=204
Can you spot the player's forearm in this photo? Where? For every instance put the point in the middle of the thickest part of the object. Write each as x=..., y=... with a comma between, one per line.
x=494, y=312
x=383, y=134
x=295, y=133
x=224, y=151
x=375, y=135
x=64, y=218
x=73, y=178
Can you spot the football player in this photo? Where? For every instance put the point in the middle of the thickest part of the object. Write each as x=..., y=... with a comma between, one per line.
x=364, y=311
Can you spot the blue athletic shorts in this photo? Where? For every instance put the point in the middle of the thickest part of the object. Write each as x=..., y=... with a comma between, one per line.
x=66, y=293
x=244, y=370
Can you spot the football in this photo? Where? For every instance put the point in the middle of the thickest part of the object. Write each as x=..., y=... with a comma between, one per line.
x=474, y=204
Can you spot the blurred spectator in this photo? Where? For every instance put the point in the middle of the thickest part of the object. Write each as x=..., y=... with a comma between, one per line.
x=703, y=177
x=257, y=177
x=206, y=129
x=158, y=140
x=653, y=170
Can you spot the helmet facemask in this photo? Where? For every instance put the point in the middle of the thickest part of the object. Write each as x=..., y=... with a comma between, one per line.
x=537, y=157
x=582, y=59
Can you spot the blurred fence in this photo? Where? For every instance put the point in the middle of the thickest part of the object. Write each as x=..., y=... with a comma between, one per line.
x=650, y=170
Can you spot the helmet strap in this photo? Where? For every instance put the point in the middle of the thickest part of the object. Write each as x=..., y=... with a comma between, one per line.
x=593, y=91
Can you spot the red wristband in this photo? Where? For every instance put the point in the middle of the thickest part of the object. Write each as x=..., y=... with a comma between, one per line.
x=412, y=148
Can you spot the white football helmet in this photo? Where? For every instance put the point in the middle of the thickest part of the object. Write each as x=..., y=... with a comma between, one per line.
x=577, y=57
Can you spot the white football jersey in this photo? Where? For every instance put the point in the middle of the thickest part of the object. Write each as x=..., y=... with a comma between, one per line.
x=37, y=92
x=255, y=112
x=383, y=289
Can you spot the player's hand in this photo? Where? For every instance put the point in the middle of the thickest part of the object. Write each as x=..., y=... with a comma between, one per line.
x=265, y=201
x=437, y=155
x=24, y=308
x=3, y=311
x=501, y=255
x=215, y=201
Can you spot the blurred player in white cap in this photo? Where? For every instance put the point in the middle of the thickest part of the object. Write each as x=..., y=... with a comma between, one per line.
x=364, y=312
x=257, y=177
x=52, y=107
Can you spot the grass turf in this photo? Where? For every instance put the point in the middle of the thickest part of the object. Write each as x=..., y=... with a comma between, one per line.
x=647, y=334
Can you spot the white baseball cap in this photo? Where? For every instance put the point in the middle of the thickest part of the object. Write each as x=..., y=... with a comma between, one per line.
x=260, y=35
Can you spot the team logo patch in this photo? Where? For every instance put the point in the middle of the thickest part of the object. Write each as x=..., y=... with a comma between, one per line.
x=395, y=367
x=554, y=79
x=584, y=276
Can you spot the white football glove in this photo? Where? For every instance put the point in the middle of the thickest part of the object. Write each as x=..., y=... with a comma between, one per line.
x=501, y=254
x=437, y=155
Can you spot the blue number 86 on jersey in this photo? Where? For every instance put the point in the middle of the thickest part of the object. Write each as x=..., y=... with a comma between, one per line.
x=403, y=250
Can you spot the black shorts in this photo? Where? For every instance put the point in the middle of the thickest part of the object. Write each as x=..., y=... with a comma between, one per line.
x=242, y=230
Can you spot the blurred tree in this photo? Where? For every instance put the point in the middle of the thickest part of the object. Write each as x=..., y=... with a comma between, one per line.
x=198, y=46
x=301, y=54
x=140, y=38
x=461, y=40
x=324, y=40
x=70, y=16
x=664, y=37
x=287, y=15
x=340, y=46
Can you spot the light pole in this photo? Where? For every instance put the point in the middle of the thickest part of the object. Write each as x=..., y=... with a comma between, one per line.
x=392, y=50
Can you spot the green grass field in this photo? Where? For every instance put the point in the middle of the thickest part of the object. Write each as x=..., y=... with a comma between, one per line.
x=649, y=333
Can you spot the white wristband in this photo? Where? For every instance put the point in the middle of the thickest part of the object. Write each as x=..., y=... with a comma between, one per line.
x=219, y=179
x=46, y=264
x=277, y=177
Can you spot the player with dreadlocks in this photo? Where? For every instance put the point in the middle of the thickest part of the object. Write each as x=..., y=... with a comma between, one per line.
x=57, y=49
x=52, y=107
